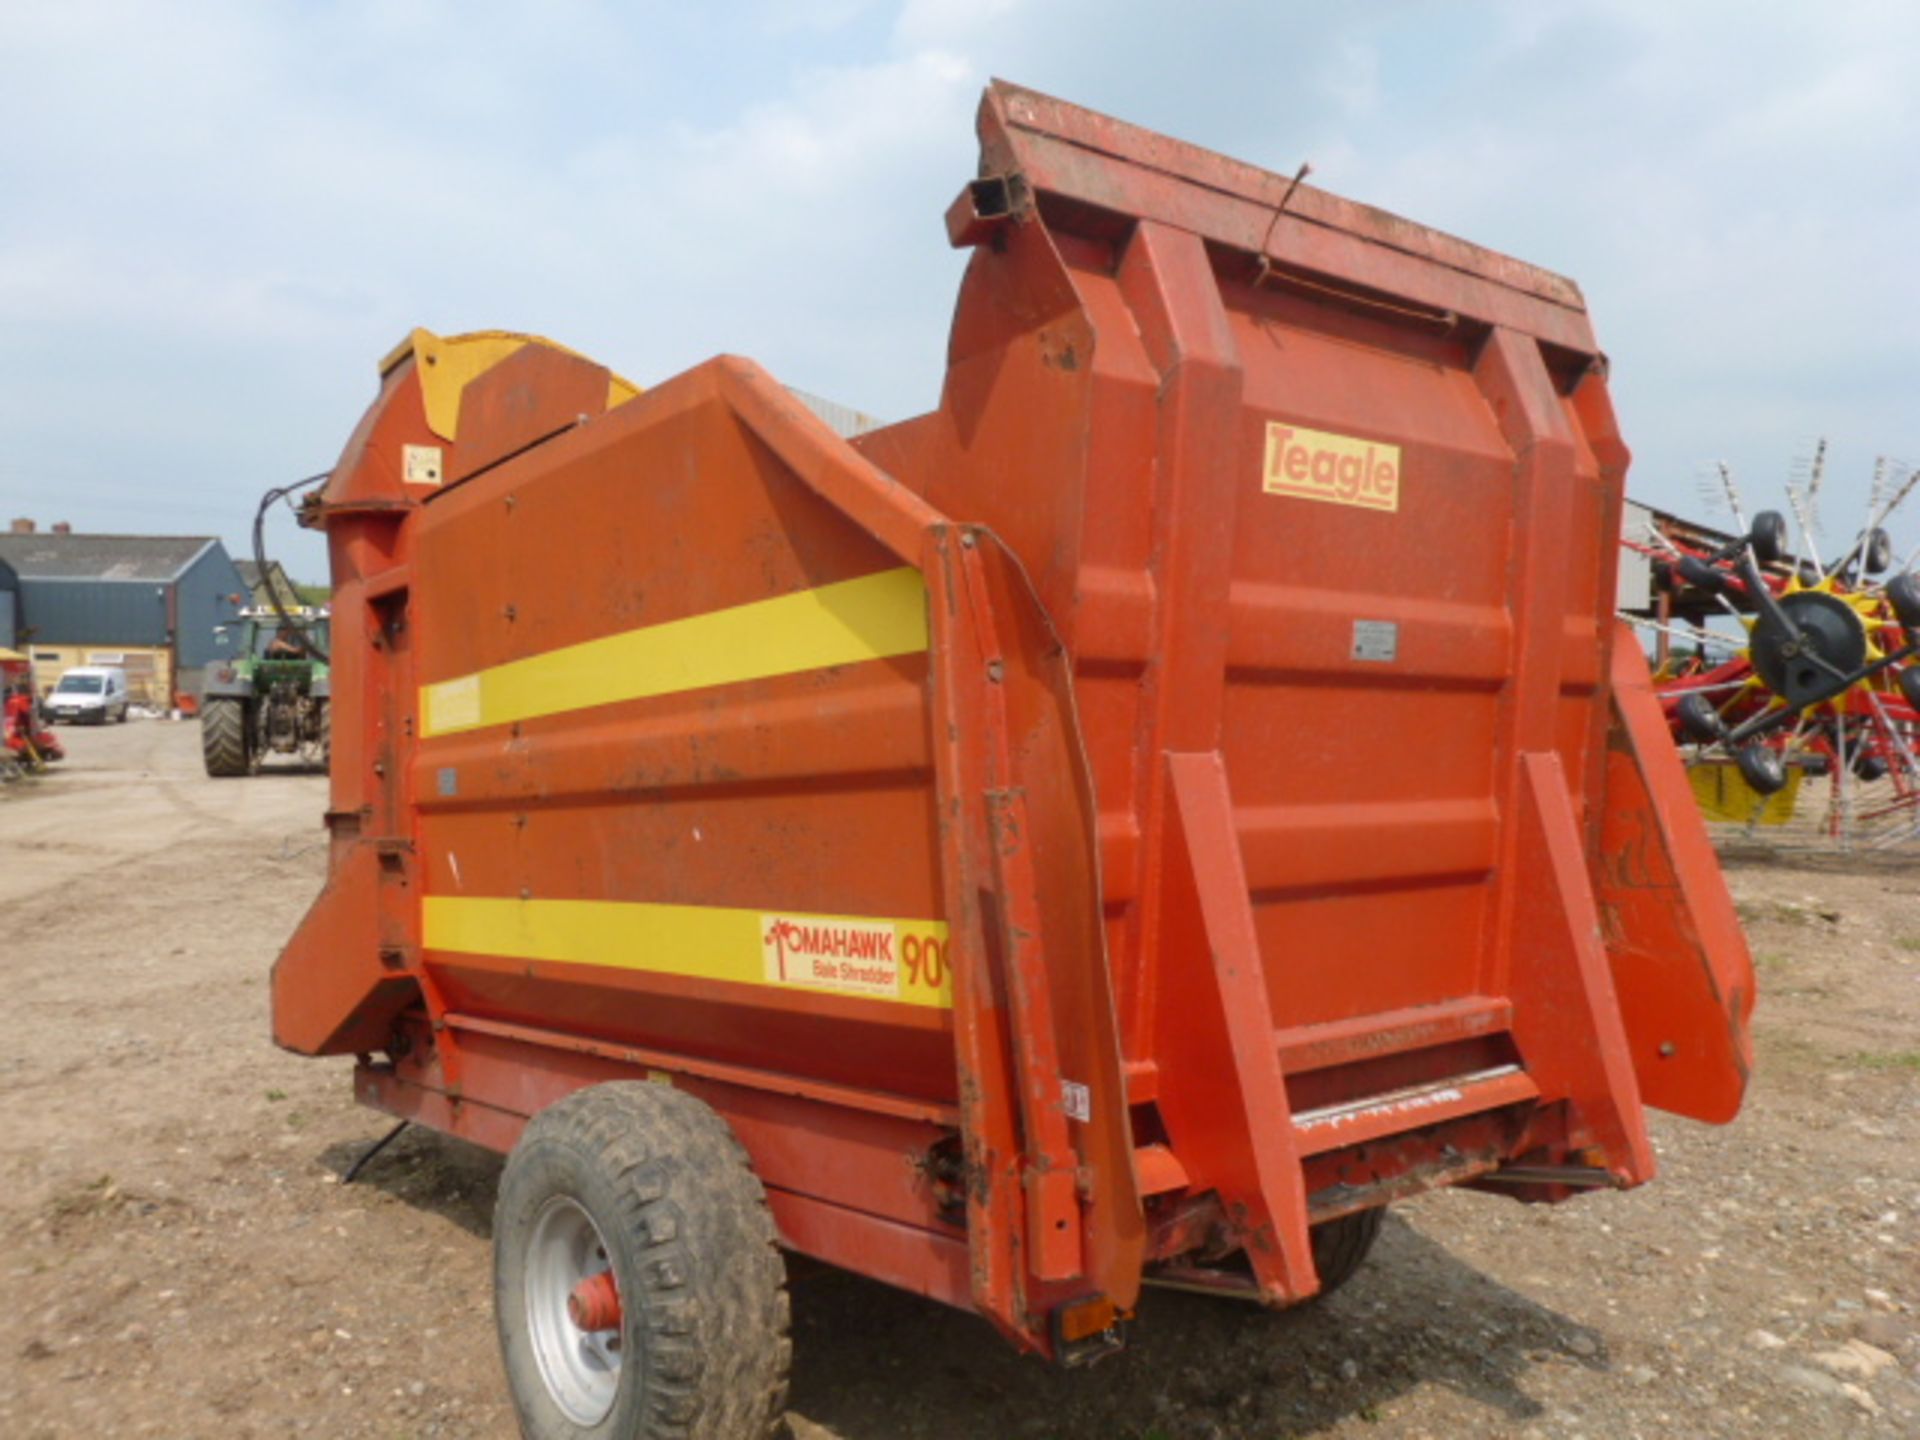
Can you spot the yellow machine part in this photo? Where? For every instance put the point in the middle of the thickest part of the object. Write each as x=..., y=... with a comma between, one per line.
x=1724, y=795
x=449, y=363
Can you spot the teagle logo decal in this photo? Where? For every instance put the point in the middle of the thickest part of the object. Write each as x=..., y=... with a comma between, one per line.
x=1317, y=465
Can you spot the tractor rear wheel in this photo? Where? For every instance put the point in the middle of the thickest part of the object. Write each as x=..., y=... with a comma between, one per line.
x=637, y=1287
x=223, y=737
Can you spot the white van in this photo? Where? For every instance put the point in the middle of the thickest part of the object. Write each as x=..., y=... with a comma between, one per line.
x=90, y=694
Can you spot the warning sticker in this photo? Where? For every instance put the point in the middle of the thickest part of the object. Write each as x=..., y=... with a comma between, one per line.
x=420, y=464
x=854, y=957
x=1077, y=1100
x=1319, y=465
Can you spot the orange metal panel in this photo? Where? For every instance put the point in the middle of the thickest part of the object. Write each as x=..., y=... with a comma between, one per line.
x=1680, y=963
x=1223, y=1093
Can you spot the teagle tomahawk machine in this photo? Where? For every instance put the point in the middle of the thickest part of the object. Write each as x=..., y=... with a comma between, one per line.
x=1129, y=824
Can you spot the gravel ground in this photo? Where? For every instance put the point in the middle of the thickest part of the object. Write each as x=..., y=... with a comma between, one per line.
x=180, y=1259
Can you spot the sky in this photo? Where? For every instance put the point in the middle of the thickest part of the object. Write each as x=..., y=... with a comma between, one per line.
x=215, y=219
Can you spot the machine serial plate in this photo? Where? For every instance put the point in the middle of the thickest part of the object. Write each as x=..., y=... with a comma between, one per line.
x=1376, y=640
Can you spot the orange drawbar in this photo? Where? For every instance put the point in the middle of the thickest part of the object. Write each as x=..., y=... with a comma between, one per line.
x=1188, y=788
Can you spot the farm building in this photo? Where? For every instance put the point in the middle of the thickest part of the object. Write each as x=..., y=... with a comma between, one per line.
x=9, y=606
x=147, y=603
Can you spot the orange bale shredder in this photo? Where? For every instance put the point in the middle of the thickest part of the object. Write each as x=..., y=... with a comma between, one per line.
x=1129, y=824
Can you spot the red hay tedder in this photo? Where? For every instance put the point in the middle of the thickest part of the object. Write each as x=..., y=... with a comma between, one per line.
x=1820, y=674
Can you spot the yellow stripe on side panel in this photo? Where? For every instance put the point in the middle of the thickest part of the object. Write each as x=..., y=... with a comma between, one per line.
x=839, y=624
x=902, y=961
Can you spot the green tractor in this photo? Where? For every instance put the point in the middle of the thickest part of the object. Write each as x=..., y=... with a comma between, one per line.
x=270, y=696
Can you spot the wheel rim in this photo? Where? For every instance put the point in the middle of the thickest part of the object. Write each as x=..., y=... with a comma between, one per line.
x=581, y=1368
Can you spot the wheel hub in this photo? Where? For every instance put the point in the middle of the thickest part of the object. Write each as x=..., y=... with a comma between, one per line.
x=1831, y=631
x=595, y=1303
x=573, y=1311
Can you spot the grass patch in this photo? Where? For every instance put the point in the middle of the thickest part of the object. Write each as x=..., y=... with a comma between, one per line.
x=89, y=1198
x=1787, y=912
x=1888, y=1060
x=1908, y=943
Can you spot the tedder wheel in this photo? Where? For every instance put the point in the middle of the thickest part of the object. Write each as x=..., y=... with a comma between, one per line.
x=1903, y=593
x=1761, y=767
x=1879, y=552
x=1768, y=536
x=223, y=737
x=1340, y=1245
x=1699, y=720
x=636, y=1283
x=1910, y=685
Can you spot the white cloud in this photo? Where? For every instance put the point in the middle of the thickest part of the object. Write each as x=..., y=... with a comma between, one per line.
x=222, y=216
x=947, y=22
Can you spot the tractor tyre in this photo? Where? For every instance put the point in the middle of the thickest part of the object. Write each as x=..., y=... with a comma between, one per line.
x=326, y=735
x=638, y=1289
x=1339, y=1246
x=223, y=738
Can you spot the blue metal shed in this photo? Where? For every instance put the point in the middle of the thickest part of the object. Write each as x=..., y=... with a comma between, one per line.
x=9, y=607
x=106, y=591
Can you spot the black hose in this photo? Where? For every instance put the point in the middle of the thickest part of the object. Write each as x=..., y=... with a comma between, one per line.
x=353, y=1170
x=267, y=502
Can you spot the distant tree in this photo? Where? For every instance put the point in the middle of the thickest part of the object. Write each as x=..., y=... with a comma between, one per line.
x=313, y=594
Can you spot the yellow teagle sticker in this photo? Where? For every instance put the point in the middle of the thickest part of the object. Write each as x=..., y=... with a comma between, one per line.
x=1338, y=469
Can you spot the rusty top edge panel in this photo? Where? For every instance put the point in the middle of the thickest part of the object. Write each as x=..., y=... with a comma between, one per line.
x=1030, y=119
